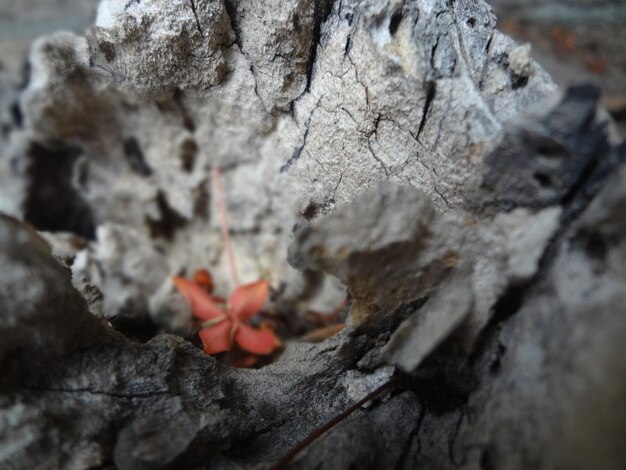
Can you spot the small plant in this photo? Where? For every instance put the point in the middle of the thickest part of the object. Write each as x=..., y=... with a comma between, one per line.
x=227, y=325
x=226, y=322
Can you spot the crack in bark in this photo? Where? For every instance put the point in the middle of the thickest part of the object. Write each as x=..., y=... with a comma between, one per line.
x=337, y=186
x=452, y=440
x=256, y=84
x=431, y=90
x=483, y=72
x=463, y=52
x=192, y=3
x=464, y=450
x=368, y=136
x=232, y=15
x=462, y=48
x=369, y=145
x=127, y=6
x=443, y=117
x=356, y=75
x=298, y=152
x=445, y=201
x=321, y=11
x=432, y=53
x=409, y=443
x=380, y=162
x=348, y=46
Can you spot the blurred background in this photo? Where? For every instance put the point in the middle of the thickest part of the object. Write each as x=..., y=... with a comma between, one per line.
x=575, y=40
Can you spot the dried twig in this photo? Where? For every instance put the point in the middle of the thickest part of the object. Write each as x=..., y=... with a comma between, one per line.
x=288, y=457
x=221, y=205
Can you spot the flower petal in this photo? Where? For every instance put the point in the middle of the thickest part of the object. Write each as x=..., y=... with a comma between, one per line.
x=201, y=303
x=203, y=278
x=217, y=338
x=247, y=300
x=255, y=341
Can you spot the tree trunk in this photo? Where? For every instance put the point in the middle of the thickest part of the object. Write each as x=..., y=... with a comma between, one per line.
x=406, y=151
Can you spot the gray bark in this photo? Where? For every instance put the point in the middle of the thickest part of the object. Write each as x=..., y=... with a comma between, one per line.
x=426, y=163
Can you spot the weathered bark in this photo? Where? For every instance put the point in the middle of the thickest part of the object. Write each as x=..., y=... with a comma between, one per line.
x=483, y=245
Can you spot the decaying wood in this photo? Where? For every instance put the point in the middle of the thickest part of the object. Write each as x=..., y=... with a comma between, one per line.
x=407, y=149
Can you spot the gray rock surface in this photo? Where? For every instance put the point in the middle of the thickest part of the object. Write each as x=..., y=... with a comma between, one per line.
x=481, y=243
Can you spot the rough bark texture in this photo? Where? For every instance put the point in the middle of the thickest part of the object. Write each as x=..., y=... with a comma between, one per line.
x=482, y=240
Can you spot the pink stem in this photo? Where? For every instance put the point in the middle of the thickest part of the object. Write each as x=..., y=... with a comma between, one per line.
x=219, y=195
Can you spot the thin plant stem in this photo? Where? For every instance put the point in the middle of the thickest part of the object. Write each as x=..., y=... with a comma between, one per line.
x=218, y=190
x=289, y=456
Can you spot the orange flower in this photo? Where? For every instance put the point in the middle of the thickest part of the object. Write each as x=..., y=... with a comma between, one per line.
x=226, y=326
